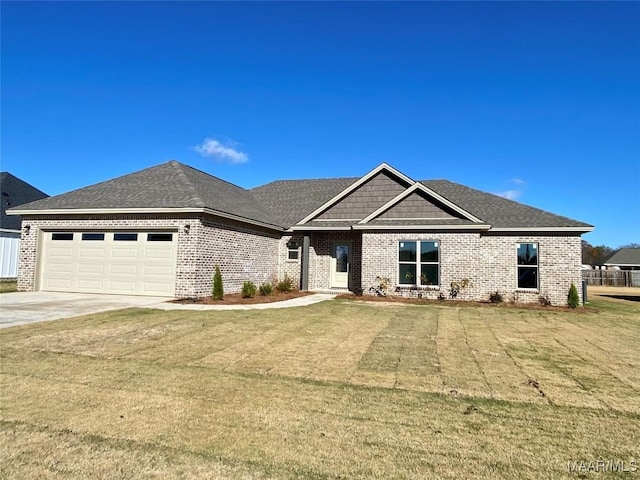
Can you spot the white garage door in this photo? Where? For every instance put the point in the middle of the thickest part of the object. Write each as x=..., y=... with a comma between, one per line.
x=130, y=263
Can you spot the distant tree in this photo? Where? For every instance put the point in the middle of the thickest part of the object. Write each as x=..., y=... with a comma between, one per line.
x=595, y=255
x=630, y=245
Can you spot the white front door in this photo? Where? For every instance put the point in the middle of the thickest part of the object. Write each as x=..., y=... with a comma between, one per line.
x=340, y=263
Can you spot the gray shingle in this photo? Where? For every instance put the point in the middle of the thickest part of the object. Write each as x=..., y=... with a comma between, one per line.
x=625, y=256
x=292, y=200
x=498, y=211
x=15, y=192
x=169, y=185
x=281, y=203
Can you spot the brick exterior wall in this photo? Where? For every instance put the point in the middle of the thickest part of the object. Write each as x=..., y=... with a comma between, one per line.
x=320, y=259
x=250, y=253
x=243, y=253
x=488, y=261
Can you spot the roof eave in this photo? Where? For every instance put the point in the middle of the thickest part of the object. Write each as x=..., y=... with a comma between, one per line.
x=584, y=229
x=475, y=226
x=153, y=210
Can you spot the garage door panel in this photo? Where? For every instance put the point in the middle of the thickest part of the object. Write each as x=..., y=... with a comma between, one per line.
x=122, y=286
x=157, y=270
x=153, y=253
x=92, y=252
x=127, y=253
x=106, y=265
x=60, y=267
x=123, y=269
x=58, y=283
x=87, y=285
x=160, y=289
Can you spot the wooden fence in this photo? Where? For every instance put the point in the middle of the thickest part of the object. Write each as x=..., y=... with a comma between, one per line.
x=612, y=278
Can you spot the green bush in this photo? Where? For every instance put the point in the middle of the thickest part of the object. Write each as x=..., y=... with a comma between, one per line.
x=218, y=291
x=248, y=289
x=496, y=297
x=573, y=299
x=285, y=285
x=266, y=289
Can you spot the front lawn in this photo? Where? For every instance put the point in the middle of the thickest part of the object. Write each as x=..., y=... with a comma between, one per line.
x=338, y=389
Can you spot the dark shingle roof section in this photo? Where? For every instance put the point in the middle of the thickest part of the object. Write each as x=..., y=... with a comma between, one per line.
x=292, y=200
x=15, y=192
x=625, y=257
x=497, y=211
x=280, y=204
x=169, y=185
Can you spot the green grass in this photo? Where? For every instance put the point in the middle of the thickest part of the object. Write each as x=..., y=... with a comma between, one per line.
x=334, y=390
x=8, y=286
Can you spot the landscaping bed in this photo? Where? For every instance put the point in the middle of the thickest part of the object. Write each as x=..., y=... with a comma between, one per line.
x=238, y=299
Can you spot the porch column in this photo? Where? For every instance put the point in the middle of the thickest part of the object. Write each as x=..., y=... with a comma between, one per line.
x=305, y=264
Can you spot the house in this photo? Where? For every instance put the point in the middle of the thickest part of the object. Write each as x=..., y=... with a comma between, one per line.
x=624, y=259
x=13, y=192
x=162, y=231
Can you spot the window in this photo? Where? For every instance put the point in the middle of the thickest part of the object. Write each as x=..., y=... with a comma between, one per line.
x=422, y=269
x=293, y=254
x=159, y=237
x=527, y=265
x=92, y=236
x=62, y=236
x=125, y=237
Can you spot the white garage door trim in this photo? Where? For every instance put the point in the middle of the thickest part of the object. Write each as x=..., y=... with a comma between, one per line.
x=116, y=262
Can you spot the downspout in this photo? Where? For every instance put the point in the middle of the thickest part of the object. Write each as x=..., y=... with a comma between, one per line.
x=305, y=264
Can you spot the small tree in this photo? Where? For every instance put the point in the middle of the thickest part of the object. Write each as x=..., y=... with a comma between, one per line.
x=218, y=291
x=573, y=299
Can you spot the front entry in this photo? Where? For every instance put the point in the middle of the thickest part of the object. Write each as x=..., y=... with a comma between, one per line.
x=340, y=263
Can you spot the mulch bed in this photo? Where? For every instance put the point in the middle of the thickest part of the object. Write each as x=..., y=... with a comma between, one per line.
x=392, y=299
x=236, y=299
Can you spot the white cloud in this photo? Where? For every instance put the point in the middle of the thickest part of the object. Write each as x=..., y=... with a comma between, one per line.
x=517, y=181
x=510, y=194
x=216, y=150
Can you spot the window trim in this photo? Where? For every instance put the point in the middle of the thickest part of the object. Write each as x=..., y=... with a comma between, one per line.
x=293, y=250
x=62, y=236
x=536, y=247
x=418, y=263
x=92, y=236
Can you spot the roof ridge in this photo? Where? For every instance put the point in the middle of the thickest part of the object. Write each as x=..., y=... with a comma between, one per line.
x=178, y=167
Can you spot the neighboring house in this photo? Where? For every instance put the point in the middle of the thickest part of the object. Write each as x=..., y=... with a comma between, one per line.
x=624, y=259
x=162, y=231
x=13, y=192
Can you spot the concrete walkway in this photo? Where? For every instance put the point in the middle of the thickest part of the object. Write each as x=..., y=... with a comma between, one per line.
x=293, y=302
x=21, y=308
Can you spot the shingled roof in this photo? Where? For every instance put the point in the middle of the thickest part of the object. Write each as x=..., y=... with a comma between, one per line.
x=625, y=257
x=15, y=192
x=280, y=204
x=304, y=196
x=171, y=185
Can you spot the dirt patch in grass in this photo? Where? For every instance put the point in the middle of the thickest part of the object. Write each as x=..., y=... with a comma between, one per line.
x=237, y=299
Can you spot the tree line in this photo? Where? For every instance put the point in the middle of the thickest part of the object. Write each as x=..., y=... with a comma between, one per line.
x=599, y=254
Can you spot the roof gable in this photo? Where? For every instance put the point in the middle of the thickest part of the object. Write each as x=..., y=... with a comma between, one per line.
x=370, y=191
x=417, y=205
x=420, y=197
x=358, y=203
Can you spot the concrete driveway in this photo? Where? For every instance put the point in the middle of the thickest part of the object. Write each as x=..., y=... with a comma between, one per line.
x=20, y=308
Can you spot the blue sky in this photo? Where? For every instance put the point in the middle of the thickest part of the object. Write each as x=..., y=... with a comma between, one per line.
x=539, y=102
